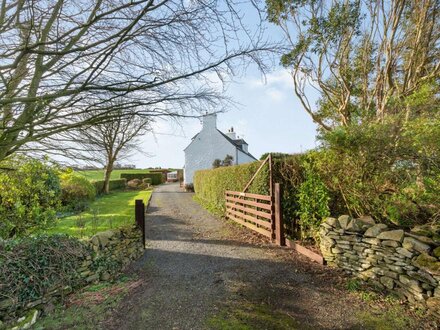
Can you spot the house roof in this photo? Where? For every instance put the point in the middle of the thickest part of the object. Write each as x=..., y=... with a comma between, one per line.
x=238, y=143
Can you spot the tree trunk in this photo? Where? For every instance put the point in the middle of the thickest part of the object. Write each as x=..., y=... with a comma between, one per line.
x=108, y=172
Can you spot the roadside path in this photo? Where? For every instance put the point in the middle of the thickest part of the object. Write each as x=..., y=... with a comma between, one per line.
x=200, y=273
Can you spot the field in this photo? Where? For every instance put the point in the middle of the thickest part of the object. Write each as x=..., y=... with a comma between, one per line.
x=106, y=212
x=93, y=175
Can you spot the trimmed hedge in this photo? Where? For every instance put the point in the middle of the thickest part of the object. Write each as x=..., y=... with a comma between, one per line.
x=147, y=181
x=210, y=185
x=116, y=184
x=156, y=178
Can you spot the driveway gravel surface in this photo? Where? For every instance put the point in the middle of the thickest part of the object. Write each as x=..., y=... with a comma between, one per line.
x=203, y=272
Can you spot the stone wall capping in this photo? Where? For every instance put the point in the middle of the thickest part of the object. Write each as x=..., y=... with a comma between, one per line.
x=375, y=230
x=412, y=244
x=344, y=220
x=422, y=239
x=393, y=235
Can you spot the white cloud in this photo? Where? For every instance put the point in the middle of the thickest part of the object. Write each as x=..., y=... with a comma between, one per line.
x=275, y=94
x=279, y=79
x=275, y=86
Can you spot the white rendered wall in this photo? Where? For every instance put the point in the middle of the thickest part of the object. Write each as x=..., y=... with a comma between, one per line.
x=244, y=158
x=207, y=146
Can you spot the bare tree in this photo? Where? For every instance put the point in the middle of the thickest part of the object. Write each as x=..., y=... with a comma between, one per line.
x=107, y=142
x=62, y=59
x=365, y=59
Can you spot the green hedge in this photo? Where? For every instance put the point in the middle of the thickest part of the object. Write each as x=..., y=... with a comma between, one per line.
x=210, y=185
x=147, y=181
x=389, y=170
x=156, y=178
x=116, y=184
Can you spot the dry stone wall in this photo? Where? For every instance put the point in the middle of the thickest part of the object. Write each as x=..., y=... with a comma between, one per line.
x=108, y=253
x=406, y=263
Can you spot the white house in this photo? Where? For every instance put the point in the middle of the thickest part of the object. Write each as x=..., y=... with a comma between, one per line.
x=211, y=144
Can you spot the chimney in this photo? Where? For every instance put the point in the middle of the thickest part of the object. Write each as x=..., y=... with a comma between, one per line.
x=209, y=121
x=231, y=133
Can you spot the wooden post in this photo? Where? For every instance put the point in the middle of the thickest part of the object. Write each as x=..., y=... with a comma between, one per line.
x=270, y=176
x=271, y=194
x=140, y=217
x=256, y=173
x=279, y=225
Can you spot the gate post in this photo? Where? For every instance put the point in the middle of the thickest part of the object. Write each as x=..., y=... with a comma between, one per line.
x=140, y=217
x=279, y=225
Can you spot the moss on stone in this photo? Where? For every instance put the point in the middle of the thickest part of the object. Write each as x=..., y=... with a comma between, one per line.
x=436, y=252
x=428, y=263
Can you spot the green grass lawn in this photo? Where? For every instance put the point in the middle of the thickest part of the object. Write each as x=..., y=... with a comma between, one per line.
x=99, y=174
x=109, y=211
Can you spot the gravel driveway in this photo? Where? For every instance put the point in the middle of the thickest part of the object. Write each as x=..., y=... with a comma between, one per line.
x=201, y=272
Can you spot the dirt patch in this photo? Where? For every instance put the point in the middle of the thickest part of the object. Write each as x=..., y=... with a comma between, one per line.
x=99, y=293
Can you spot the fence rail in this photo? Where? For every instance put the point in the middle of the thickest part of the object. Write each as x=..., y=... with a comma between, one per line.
x=256, y=212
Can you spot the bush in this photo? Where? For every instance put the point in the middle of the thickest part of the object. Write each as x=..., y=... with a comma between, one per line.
x=156, y=178
x=389, y=170
x=116, y=184
x=76, y=191
x=29, y=196
x=313, y=200
x=54, y=261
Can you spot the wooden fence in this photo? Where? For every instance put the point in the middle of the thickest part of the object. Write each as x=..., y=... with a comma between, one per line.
x=261, y=213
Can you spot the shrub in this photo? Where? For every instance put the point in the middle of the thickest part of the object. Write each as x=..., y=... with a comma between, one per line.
x=116, y=184
x=313, y=199
x=76, y=191
x=29, y=196
x=389, y=170
x=54, y=261
x=156, y=178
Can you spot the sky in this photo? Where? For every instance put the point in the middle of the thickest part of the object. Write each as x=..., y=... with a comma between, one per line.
x=268, y=116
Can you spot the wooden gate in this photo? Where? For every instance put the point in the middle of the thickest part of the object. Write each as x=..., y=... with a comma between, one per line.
x=251, y=210
x=261, y=213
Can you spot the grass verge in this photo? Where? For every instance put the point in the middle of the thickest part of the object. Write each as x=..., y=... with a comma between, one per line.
x=106, y=212
x=385, y=311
